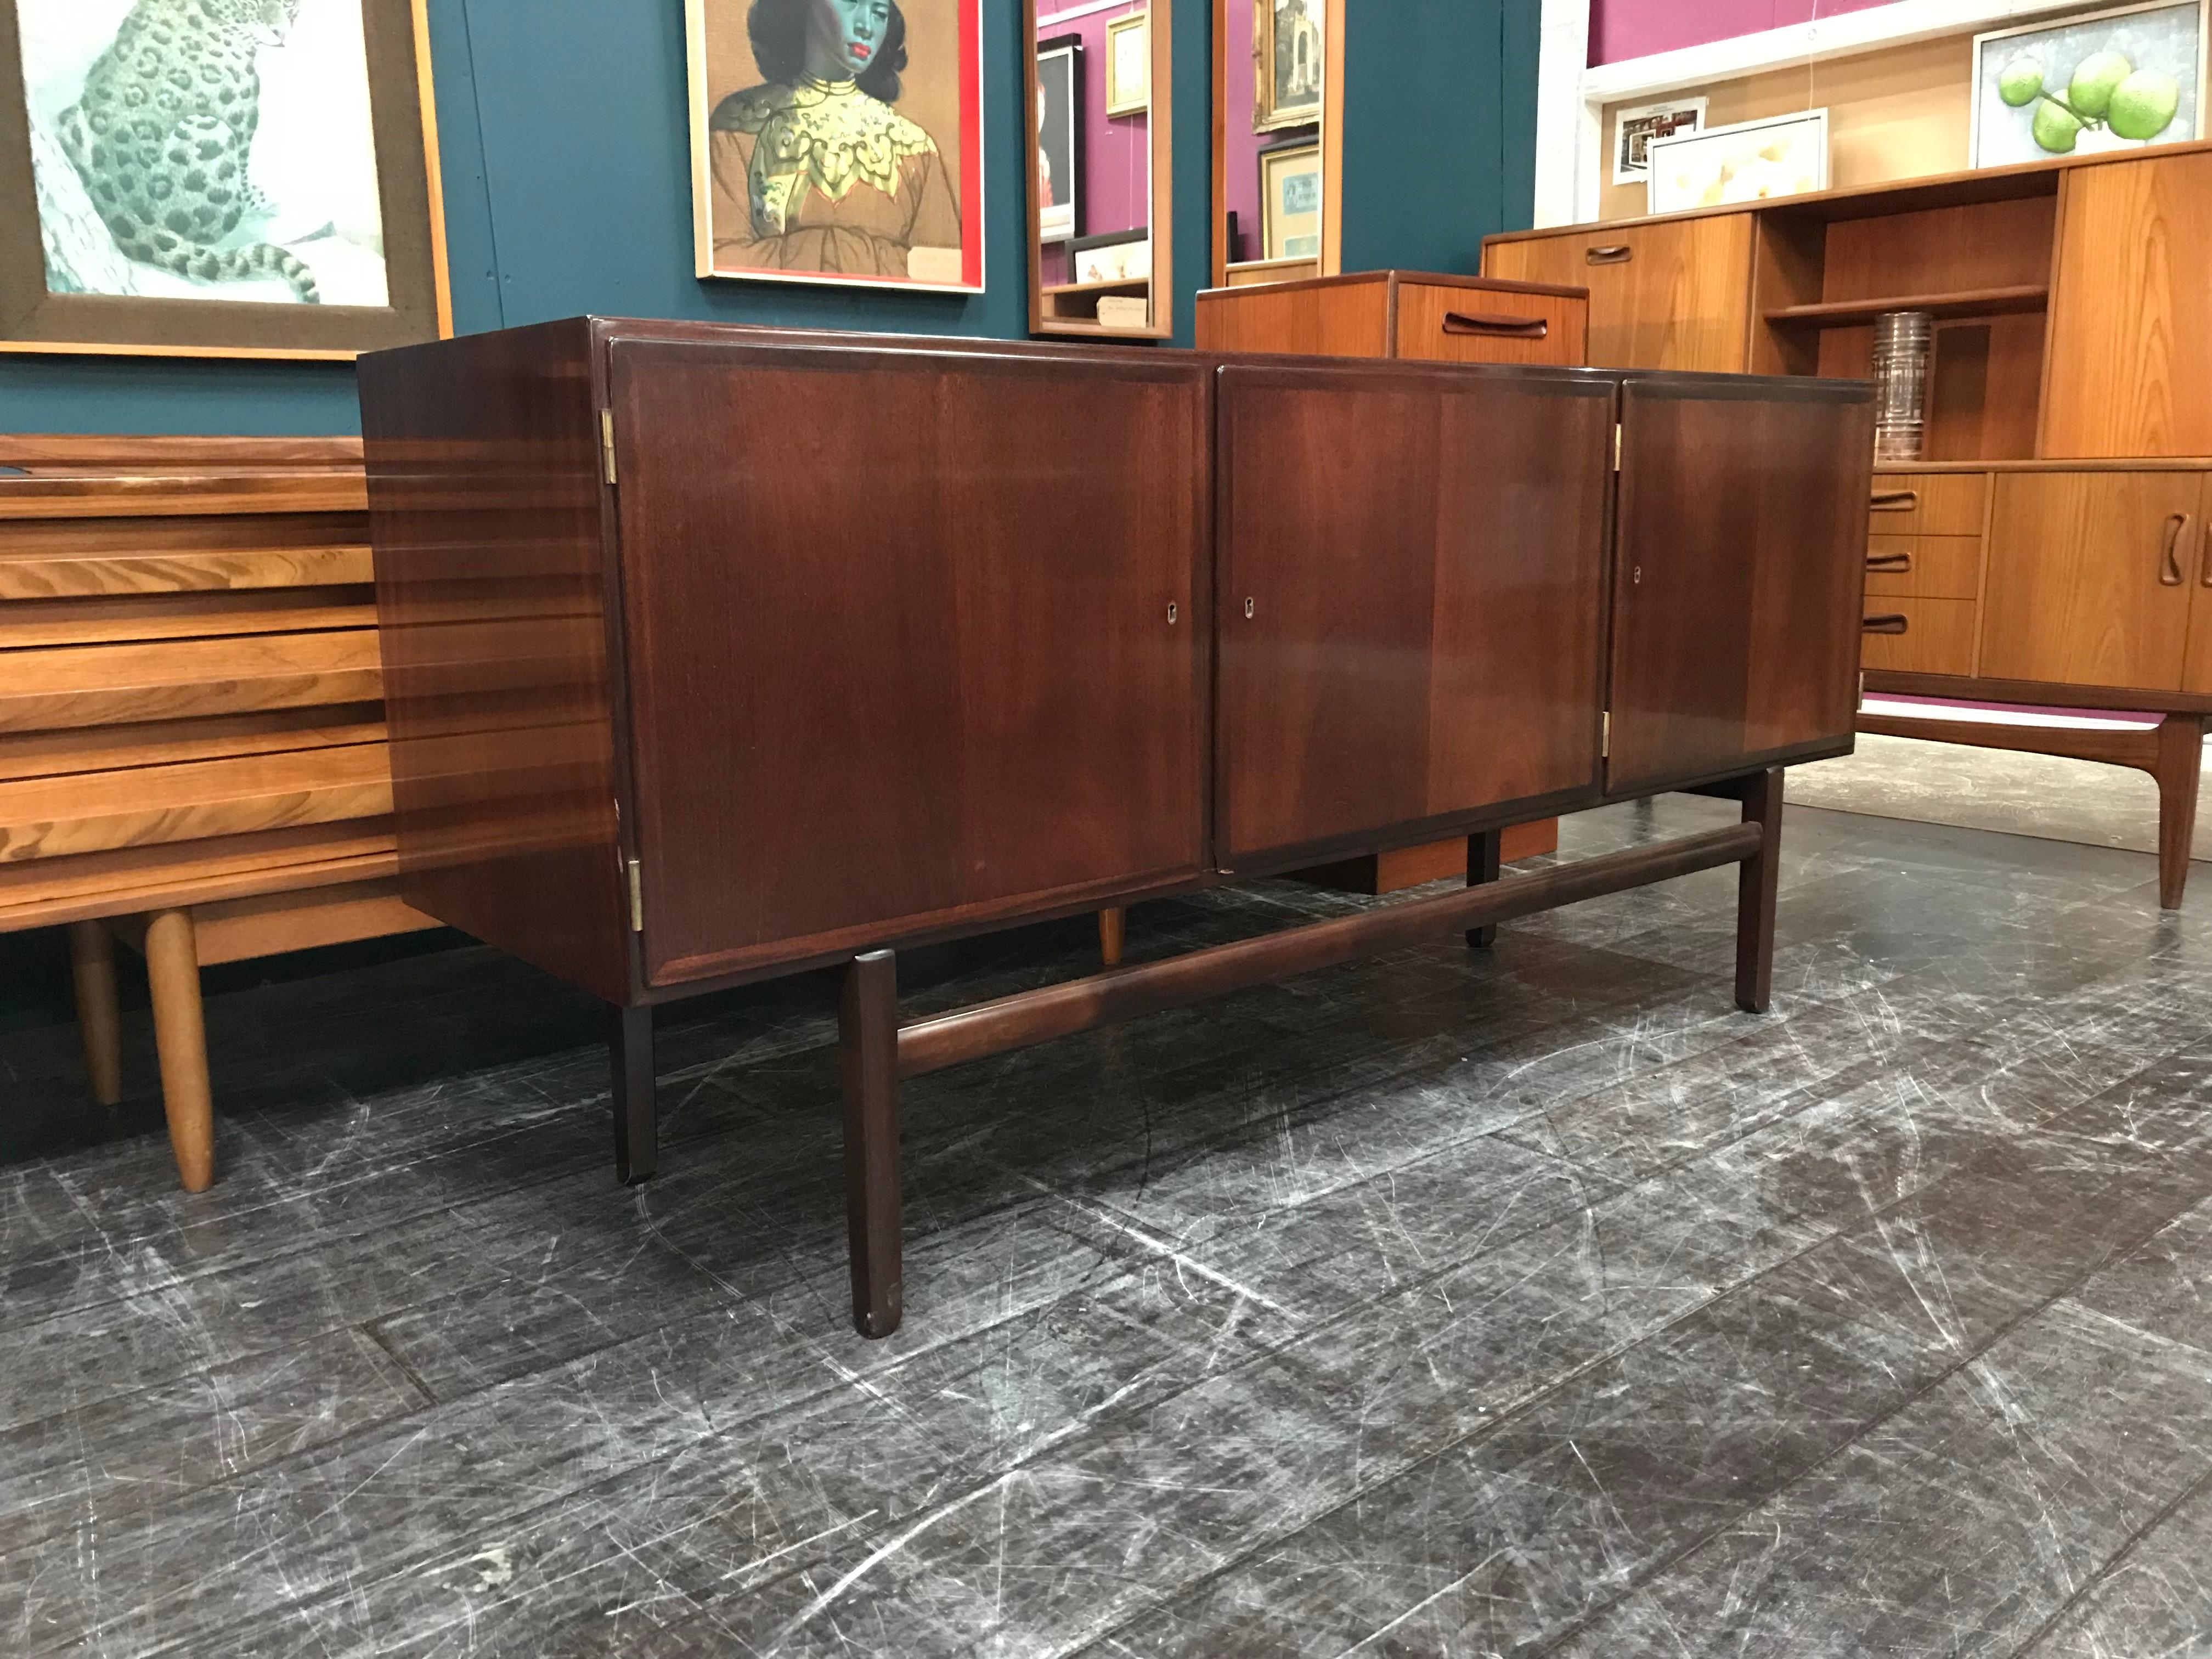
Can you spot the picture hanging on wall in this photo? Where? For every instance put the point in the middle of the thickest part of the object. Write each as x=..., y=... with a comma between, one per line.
x=1633, y=130
x=1060, y=138
x=1287, y=63
x=2116, y=80
x=227, y=177
x=838, y=142
x=1129, y=64
x=1290, y=200
x=1749, y=162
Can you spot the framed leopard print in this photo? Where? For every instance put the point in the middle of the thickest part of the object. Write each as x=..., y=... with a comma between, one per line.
x=247, y=177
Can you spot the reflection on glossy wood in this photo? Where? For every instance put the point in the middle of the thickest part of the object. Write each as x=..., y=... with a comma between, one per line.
x=484, y=499
x=1736, y=606
x=1360, y=691
x=969, y=562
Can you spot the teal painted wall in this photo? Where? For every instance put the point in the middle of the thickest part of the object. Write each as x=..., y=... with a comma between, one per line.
x=1439, y=129
x=562, y=131
x=562, y=128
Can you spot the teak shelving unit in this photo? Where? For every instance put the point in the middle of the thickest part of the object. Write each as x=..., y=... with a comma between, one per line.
x=2051, y=549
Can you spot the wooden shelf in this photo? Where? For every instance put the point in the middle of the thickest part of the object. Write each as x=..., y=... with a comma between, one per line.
x=1138, y=286
x=1961, y=302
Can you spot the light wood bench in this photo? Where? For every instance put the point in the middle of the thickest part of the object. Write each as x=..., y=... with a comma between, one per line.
x=193, y=754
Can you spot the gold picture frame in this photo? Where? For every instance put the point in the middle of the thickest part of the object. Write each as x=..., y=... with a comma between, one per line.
x=1289, y=66
x=1128, y=64
x=36, y=318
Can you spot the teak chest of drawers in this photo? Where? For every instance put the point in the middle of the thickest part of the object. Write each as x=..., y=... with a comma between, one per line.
x=716, y=654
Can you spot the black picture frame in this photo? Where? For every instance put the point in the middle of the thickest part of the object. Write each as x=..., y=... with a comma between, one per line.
x=1059, y=70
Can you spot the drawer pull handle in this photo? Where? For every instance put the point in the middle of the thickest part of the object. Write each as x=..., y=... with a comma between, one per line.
x=1613, y=253
x=1889, y=624
x=2204, y=545
x=1491, y=322
x=2175, y=528
x=1890, y=563
x=1895, y=501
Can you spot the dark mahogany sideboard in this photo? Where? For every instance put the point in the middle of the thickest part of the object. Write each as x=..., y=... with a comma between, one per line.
x=712, y=654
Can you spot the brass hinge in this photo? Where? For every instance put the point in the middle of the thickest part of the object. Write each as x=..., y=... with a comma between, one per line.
x=1605, y=737
x=1616, y=448
x=607, y=443
x=636, y=897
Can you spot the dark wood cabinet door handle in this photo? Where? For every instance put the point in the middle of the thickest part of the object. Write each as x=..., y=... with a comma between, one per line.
x=2204, y=554
x=1613, y=253
x=1895, y=501
x=1494, y=323
x=2169, y=573
x=1891, y=563
x=1891, y=623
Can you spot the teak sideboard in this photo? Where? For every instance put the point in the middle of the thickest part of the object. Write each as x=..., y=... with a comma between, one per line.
x=716, y=654
x=2052, y=549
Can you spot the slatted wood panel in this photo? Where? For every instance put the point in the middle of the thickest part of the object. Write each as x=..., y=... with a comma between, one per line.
x=189, y=681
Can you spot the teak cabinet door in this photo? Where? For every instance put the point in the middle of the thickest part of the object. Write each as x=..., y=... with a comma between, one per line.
x=1411, y=598
x=2091, y=578
x=914, y=638
x=1674, y=295
x=1738, y=571
x=2130, y=370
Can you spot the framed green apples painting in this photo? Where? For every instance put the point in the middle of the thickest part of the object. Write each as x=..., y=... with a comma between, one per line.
x=2120, y=79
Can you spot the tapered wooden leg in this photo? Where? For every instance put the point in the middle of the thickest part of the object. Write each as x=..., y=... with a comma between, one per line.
x=637, y=1122
x=1483, y=865
x=1758, y=883
x=173, y=970
x=1112, y=924
x=867, y=1034
x=2180, y=762
x=100, y=1022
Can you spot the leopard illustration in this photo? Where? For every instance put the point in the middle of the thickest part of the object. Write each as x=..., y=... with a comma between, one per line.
x=164, y=129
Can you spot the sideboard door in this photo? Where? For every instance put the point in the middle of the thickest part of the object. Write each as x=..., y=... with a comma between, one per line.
x=1738, y=570
x=1411, y=602
x=915, y=639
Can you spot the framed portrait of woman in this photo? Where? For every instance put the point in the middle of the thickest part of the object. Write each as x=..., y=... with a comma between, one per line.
x=1060, y=138
x=838, y=141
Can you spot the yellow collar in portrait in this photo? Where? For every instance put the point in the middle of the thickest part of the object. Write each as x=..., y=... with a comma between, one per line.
x=826, y=133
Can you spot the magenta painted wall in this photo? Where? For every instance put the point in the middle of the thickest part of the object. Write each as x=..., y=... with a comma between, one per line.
x=1635, y=29
x=1117, y=153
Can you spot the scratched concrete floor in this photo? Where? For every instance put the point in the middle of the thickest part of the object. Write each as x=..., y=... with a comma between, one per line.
x=1449, y=1304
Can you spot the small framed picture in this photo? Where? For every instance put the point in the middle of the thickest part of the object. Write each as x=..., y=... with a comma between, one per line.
x=1129, y=64
x=2126, y=79
x=1060, y=138
x=1634, y=129
x=1290, y=200
x=1749, y=162
x=1288, y=62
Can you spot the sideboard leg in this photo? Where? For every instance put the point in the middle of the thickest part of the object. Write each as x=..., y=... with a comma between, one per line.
x=1758, y=882
x=637, y=1127
x=2180, y=762
x=1484, y=865
x=867, y=1039
x=1112, y=928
